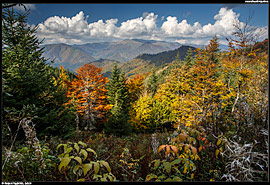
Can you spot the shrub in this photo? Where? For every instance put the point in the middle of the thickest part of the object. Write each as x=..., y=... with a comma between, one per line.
x=83, y=160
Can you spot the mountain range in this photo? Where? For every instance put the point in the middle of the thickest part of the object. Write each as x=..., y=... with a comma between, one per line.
x=73, y=56
x=126, y=50
x=145, y=62
x=132, y=56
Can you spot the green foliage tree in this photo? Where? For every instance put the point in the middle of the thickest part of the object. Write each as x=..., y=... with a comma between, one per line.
x=152, y=83
x=23, y=66
x=189, y=59
x=28, y=76
x=119, y=99
x=24, y=70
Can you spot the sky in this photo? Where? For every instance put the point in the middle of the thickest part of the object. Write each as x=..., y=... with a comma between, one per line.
x=183, y=23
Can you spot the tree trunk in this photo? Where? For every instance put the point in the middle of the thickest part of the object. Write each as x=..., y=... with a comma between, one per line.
x=77, y=124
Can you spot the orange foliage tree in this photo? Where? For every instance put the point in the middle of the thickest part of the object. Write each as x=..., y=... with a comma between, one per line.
x=135, y=87
x=87, y=94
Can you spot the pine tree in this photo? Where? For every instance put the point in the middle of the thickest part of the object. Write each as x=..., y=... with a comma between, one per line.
x=152, y=82
x=23, y=66
x=178, y=60
x=189, y=59
x=26, y=73
x=119, y=99
x=112, y=85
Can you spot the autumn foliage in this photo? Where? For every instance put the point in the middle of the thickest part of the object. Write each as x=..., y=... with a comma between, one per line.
x=201, y=119
x=87, y=94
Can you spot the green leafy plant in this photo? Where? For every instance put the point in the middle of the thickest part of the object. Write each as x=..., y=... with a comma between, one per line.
x=82, y=160
x=24, y=165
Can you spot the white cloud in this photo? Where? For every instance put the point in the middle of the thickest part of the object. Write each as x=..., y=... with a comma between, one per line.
x=172, y=28
x=64, y=25
x=139, y=26
x=102, y=29
x=223, y=26
x=77, y=30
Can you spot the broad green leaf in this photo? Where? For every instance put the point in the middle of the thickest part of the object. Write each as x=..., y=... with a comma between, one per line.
x=58, y=146
x=65, y=147
x=167, y=166
x=156, y=165
x=150, y=176
x=64, y=162
x=177, y=179
x=79, y=180
x=76, y=146
x=103, y=179
x=76, y=168
x=66, y=155
x=106, y=164
x=168, y=179
x=96, y=167
x=82, y=143
x=217, y=152
x=61, y=156
x=218, y=142
x=84, y=154
x=87, y=167
x=91, y=150
x=78, y=159
x=69, y=149
x=176, y=161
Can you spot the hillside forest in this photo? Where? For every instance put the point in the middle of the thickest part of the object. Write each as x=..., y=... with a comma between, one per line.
x=201, y=118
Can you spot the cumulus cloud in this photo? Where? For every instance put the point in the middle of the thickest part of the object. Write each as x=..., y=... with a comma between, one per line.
x=64, y=25
x=137, y=27
x=223, y=26
x=103, y=29
x=77, y=30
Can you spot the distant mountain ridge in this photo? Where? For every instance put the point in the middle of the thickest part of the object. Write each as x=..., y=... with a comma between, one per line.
x=126, y=50
x=166, y=56
x=66, y=55
x=145, y=62
x=73, y=56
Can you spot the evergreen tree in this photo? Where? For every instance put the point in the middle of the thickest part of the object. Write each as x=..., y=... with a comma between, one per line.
x=189, y=59
x=113, y=84
x=119, y=99
x=152, y=82
x=28, y=78
x=178, y=60
x=23, y=66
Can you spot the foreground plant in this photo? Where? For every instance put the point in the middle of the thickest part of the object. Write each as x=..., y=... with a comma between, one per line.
x=83, y=162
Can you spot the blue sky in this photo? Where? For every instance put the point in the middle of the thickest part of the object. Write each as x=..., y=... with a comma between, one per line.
x=183, y=23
